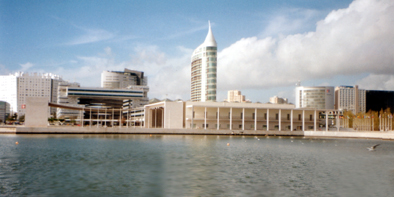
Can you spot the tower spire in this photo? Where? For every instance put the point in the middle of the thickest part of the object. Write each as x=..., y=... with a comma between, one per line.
x=210, y=39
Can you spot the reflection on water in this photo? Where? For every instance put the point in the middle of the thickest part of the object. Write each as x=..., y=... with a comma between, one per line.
x=165, y=165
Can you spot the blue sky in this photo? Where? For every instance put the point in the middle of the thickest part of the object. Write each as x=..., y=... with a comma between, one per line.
x=264, y=46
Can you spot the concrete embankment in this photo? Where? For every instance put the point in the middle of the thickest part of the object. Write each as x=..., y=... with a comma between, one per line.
x=137, y=130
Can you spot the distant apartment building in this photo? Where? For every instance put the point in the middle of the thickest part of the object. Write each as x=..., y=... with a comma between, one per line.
x=17, y=87
x=278, y=100
x=203, y=70
x=235, y=96
x=317, y=97
x=120, y=80
x=4, y=111
x=349, y=98
x=377, y=100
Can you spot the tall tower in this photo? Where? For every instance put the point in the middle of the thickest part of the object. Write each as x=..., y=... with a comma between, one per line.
x=203, y=70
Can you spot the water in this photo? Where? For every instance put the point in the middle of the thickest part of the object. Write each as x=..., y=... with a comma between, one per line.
x=165, y=165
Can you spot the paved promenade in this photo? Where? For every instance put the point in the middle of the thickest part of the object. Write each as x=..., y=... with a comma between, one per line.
x=137, y=130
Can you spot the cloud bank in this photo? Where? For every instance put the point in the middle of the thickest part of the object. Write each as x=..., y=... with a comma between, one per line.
x=351, y=41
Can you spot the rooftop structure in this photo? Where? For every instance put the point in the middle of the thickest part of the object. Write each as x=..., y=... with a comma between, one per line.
x=203, y=70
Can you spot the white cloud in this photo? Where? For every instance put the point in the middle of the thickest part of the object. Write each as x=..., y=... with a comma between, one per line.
x=91, y=36
x=25, y=67
x=351, y=41
x=377, y=82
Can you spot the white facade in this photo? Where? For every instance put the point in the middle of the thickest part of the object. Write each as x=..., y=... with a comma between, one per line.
x=318, y=97
x=8, y=91
x=230, y=116
x=235, y=96
x=203, y=70
x=350, y=98
x=16, y=88
x=278, y=100
x=119, y=80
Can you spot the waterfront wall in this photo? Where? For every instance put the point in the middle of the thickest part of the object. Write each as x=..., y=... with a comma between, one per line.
x=137, y=130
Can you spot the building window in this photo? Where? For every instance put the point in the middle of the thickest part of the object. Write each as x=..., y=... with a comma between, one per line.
x=241, y=115
x=310, y=117
x=299, y=116
x=276, y=116
x=194, y=114
x=265, y=116
x=254, y=116
x=240, y=126
x=288, y=116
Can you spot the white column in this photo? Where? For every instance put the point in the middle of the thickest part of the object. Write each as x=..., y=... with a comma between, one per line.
x=105, y=118
x=243, y=119
x=303, y=120
x=192, y=116
x=162, y=119
x=218, y=119
x=280, y=119
x=82, y=114
x=127, y=116
x=98, y=117
x=120, y=117
x=326, y=120
x=291, y=120
x=255, y=119
x=205, y=118
x=268, y=119
x=156, y=117
x=314, y=121
x=231, y=118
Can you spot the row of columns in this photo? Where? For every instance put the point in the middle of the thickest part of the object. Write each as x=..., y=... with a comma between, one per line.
x=255, y=119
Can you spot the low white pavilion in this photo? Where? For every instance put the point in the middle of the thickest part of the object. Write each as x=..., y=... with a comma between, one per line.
x=232, y=116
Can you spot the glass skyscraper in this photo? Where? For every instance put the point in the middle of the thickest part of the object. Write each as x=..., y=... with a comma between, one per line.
x=203, y=70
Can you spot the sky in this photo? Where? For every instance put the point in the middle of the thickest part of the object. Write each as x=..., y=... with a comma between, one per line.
x=264, y=47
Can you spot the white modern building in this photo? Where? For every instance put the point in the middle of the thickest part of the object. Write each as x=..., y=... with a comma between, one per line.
x=203, y=70
x=316, y=97
x=231, y=116
x=235, y=96
x=349, y=98
x=278, y=100
x=126, y=90
x=17, y=87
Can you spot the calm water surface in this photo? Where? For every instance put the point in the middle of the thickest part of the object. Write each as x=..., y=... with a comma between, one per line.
x=165, y=165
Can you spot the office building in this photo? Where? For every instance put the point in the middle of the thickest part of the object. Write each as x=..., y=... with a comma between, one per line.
x=349, y=98
x=317, y=97
x=203, y=70
x=15, y=88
